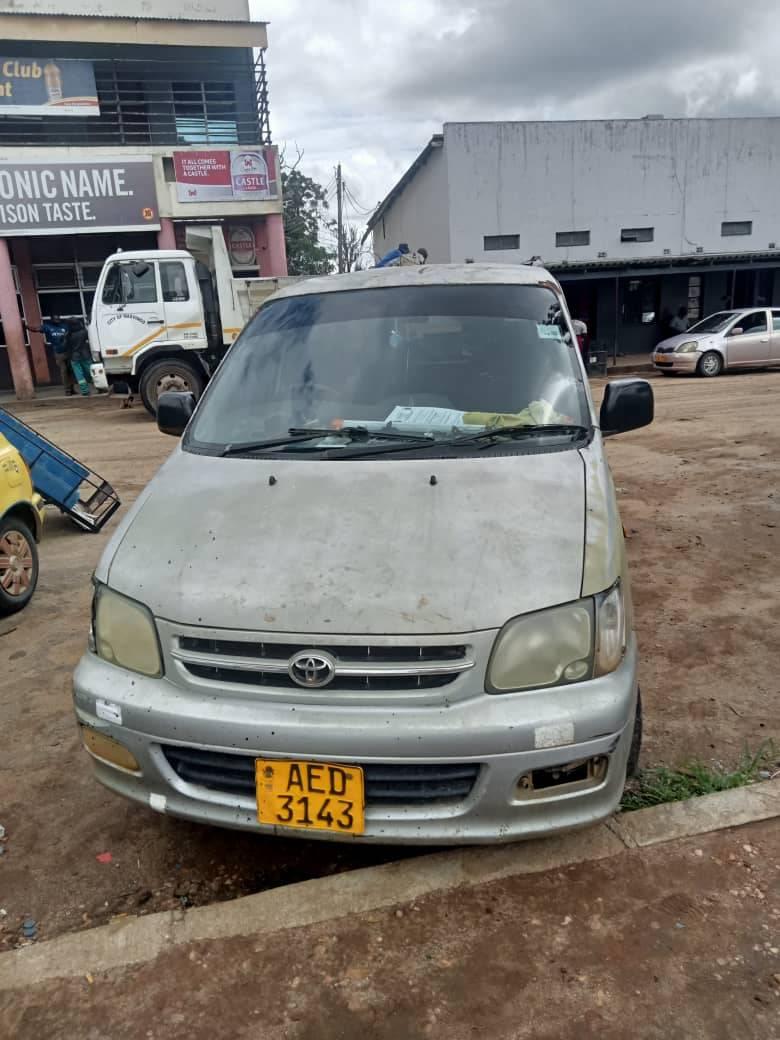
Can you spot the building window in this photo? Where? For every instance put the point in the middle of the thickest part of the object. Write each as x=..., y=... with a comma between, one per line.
x=492, y=242
x=564, y=239
x=639, y=301
x=205, y=113
x=694, y=298
x=736, y=227
x=637, y=234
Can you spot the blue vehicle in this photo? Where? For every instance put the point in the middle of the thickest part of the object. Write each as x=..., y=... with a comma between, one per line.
x=60, y=479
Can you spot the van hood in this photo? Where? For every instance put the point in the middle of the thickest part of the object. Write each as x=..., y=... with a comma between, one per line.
x=354, y=547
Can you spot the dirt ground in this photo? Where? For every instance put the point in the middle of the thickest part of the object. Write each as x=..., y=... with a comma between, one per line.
x=676, y=942
x=700, y=502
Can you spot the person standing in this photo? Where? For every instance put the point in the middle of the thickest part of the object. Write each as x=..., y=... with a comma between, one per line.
x=679, y=322
x=57, y=334
x=80, y=355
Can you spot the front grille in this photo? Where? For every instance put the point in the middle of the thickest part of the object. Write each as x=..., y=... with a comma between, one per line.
x=421, y=783
x=357, y=668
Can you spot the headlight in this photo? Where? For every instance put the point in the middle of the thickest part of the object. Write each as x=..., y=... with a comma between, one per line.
x=124, y=633
x=690, y=347
x=559, y=646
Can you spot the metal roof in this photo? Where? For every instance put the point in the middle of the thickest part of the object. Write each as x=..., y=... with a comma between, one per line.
x=136, y=10
x=437, y=141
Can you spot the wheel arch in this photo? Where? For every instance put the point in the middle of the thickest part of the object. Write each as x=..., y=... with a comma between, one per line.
x=168, y=350
x=29, y=516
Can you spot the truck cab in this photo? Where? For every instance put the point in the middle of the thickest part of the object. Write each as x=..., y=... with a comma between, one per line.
x=162, y=319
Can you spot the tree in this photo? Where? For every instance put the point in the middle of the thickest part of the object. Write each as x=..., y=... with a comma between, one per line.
x=303, y=200
x=350, y=245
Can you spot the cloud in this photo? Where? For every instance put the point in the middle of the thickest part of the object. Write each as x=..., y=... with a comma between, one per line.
x=366, y=83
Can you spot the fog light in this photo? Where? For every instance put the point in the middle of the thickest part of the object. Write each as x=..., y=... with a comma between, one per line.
x=106, y=749
x=564, y=779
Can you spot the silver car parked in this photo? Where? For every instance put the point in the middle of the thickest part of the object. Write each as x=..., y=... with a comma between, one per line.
x=727, y=340
x=379, y=591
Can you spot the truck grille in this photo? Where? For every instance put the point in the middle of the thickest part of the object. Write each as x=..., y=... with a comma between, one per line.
x=421, y=783
x=265, y=664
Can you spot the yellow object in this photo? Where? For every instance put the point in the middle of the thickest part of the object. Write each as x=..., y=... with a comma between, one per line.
x=538, y=413
x=16, y=488
x=108, y=750
x=310, y=795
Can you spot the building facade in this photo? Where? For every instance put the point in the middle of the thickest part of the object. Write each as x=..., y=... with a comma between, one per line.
x=637, y=218
x=118, y=128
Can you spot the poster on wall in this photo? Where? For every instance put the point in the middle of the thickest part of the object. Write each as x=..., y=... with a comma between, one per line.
x=245, y=175
x=60, y=198
x=47, y=87
x=242, y=247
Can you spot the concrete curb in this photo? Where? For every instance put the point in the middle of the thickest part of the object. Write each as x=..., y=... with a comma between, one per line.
x=135, y=940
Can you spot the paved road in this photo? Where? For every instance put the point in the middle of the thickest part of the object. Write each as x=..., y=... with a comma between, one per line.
x=698, y=497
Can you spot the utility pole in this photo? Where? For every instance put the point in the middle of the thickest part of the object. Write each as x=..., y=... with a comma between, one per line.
x=340, y=217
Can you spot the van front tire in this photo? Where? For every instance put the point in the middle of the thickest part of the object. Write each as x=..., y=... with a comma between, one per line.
x=632, y=766
x=169, y=374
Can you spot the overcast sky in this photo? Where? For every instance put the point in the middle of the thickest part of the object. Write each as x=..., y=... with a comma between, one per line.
x=367, y=82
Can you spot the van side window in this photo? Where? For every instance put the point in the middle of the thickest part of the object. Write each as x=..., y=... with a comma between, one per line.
x=112, y=287
x=174, y=282
x=776, y=321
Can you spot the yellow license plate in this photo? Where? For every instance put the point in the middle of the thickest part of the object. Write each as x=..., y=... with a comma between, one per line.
x=310, y=795
x=662, y=358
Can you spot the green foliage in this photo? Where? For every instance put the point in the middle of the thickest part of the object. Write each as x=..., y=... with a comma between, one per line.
x=303, y=200
x=661, y=784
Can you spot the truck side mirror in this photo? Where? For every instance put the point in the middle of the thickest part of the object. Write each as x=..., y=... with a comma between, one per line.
x=628, y=405
x=174, y=411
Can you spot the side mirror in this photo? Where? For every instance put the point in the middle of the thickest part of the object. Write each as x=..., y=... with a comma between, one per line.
x=628, y=405
x=737, y=331
x=174, y=411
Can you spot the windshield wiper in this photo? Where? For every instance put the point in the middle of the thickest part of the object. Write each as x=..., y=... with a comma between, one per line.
x=297, y=435
x=518, y=431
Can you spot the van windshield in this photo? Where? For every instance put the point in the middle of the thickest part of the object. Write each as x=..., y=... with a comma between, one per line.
x=437, y=362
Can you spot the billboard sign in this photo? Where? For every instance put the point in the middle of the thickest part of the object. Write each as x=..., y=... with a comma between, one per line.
x=61, y=198
x=47, y=87
x=245, y=175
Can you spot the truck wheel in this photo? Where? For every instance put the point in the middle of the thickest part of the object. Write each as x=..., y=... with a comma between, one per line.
x=636, y=740
x=169, y=374
x=18, y=565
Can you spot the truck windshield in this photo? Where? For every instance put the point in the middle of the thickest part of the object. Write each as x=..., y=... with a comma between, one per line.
x=440, y=362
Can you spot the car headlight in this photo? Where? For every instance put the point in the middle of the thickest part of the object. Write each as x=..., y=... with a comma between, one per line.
x=124, y=633
x=689, y=347
x=559, y=646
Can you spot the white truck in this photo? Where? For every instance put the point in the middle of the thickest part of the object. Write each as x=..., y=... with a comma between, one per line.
x=162, y=319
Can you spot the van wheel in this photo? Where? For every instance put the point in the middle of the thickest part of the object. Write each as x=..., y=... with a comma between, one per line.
x=18, y=565
x=710, y=364
x=169, y=374
x=632, y=764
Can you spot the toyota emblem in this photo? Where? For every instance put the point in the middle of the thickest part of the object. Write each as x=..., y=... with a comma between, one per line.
x=312, y=669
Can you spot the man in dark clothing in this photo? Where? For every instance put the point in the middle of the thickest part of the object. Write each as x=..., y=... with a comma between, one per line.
x=57, y=334
x=80, y=354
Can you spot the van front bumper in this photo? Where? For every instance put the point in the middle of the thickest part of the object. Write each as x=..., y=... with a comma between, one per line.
x=511, y=740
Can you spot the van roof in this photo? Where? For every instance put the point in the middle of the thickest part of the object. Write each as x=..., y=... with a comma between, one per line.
x=423, y=274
